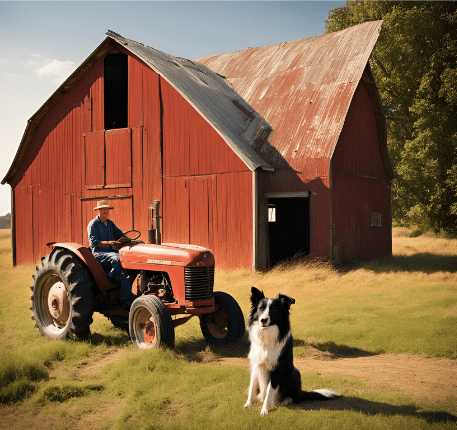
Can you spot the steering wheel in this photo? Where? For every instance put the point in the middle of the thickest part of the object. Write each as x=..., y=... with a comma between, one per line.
x=130, y=231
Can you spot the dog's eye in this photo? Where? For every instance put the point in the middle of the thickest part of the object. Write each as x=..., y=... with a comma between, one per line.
x=261, y=307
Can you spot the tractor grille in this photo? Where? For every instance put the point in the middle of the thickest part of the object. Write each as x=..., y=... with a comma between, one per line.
x=199, y=282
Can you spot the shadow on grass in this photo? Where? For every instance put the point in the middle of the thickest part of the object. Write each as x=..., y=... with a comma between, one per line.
x=371, y=408
x=422, y=262
x=198, y=350
x=121, y=338
x=335, y=350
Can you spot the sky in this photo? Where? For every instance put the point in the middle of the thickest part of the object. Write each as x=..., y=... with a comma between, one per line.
x=42, y=43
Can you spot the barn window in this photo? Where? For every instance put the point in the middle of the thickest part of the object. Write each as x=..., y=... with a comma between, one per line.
x=116, y=89
x=271, y=213
x=376, y=220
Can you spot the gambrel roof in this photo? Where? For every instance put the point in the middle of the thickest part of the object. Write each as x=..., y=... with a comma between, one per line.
x=303, y=89
x=208, y=92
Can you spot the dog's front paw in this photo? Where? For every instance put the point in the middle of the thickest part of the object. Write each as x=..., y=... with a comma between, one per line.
x=287, y=401
x=263, y=412
x=247, y=404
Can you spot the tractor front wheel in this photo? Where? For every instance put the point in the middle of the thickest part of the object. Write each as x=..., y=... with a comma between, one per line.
x=225, y=325
x=150, y=323
x=62, y=298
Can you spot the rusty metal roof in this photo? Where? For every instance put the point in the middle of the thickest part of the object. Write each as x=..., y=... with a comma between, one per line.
x=303, y=89
x=208, y=92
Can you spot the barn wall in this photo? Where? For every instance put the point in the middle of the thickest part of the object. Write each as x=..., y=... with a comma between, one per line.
x=287, y=180
x=168, y=153
x=360, y=186
x=50, y=181
x=207, y=189
x=73, y=162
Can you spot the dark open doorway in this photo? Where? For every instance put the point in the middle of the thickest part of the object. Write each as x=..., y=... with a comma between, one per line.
x=116, y=90
x=289, y=228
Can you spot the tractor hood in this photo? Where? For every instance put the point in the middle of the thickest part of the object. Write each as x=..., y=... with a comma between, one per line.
x=168, y=254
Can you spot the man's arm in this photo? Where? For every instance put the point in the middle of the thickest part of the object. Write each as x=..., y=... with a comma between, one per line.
x=93, y=236
x=93, y=233
x=118, y=234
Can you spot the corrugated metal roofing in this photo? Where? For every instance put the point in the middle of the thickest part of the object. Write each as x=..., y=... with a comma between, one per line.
x=303, y=89
x=209, y=93
x=237, y=122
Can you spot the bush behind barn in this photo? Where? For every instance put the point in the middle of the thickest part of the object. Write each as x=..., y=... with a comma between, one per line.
x=5, y=221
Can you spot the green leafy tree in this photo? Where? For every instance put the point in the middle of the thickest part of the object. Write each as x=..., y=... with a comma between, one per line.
x=415, y=67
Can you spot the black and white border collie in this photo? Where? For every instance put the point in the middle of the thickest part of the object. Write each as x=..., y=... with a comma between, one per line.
x=273, y=375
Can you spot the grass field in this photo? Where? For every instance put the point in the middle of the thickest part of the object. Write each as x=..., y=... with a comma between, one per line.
x=393, y=312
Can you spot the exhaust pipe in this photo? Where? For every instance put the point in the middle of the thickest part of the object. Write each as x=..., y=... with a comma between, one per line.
x=154, y=236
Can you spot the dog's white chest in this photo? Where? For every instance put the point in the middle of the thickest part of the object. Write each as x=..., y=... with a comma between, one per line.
x=265, y=348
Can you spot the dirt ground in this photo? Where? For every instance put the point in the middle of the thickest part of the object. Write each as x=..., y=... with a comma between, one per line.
x=431, y=379
x=428, y=379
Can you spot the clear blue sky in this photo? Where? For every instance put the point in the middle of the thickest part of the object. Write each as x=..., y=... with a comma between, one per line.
x=42, y=43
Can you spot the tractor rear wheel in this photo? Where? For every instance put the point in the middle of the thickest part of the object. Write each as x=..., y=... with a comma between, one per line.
x=150, y=323
x=62, y=297
x=225, y=325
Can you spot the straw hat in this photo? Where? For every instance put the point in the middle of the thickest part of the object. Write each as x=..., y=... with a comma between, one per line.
x=103, y=204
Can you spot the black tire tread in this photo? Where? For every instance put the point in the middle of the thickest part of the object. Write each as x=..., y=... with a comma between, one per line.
x=236, y=323
x=154, y=304
x=79, y=283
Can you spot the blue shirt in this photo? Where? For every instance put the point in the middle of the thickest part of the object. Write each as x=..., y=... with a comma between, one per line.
x=97, y=232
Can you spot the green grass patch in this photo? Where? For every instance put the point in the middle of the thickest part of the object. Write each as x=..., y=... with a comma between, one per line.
x=404, y=304
x=160, y=390
x=66, y=390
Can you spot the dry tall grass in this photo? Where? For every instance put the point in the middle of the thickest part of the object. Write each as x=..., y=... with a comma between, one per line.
x=405, y=303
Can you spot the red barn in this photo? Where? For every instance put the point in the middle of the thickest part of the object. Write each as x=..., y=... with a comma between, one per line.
x=330, y=188
x=133, y=124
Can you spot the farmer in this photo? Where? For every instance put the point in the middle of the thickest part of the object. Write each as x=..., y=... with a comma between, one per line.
x=105, y=239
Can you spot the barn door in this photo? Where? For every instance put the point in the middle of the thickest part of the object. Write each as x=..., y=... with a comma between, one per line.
x=94, y=155
x=118, y=153
x=108, y=158
x=289, y=228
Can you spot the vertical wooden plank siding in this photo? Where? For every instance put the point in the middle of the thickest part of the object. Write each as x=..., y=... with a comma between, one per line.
x=360, y=187
x=23, y=205
x=176, y=210
x=53, y=173
x=169, y=153
x=118, y=155
x=94, y=159
x=152, y=151
x=213, y=211
x=98, y=100
x=320, y=217
x=191, y=145
x=135, y=97
x=207, y=189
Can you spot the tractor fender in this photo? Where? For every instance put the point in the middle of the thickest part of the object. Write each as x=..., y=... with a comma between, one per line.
x=89, y=260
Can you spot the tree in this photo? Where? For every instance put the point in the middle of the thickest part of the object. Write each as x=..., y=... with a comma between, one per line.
x=5, y=221
x=415, y=67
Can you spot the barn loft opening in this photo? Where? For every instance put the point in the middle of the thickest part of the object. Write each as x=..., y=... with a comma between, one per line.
x=289, y=228
x=116, y=90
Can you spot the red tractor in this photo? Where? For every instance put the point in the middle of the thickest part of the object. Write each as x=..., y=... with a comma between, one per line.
x=169, y=280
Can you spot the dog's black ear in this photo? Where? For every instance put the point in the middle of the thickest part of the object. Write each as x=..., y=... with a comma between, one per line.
x=256, y=295
x=286, y=300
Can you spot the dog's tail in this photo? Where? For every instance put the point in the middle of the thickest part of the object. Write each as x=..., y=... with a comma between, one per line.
x=322, y=394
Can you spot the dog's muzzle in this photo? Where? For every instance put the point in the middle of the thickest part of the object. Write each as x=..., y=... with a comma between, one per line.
x=264, y=322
